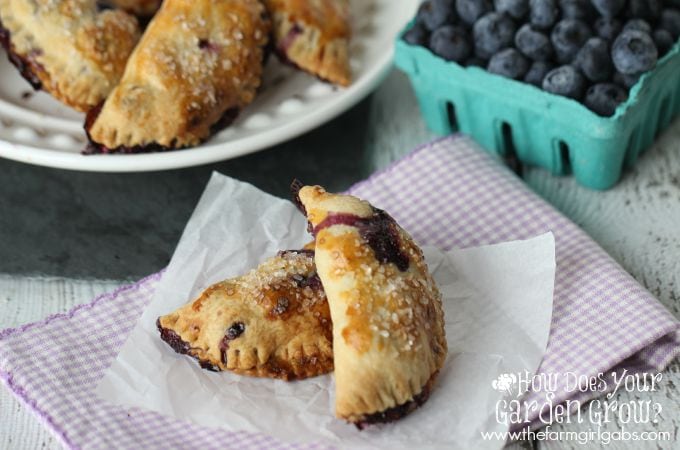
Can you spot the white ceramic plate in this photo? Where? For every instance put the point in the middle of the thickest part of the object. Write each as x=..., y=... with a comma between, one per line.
x=36, y=129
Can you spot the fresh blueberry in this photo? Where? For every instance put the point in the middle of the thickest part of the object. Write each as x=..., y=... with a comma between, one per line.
x=508, y=63
x=648, y=10
x=475, y=61
x=537, y=72
x=594, y=61
x=577, y=9
x=568, y=37
x=426, y=16
x=471, y=10
x=543, y=13
x=516, y=9
x=603, y=98
x=627, y=81
x=670, y=20
x=446, y=8
x=492, y=33
x=435, y=13
x=638, y=24
x=607, y=28
x=566, y=81
x=634, y=52
x=534, y=44
x=417, y=35
x=451, y=43
x=608, y=8
x=663, y=40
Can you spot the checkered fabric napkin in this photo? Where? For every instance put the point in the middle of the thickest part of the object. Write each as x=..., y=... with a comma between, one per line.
x=447, y=194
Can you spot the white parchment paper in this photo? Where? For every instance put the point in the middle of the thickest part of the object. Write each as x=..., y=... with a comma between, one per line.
x=497, y=302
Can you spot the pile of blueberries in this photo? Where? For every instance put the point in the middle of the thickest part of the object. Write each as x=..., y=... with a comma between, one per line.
x=590, y=50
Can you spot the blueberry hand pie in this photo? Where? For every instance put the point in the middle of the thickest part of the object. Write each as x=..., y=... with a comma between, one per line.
x=314, y=36
x=388, y=324
x=141, y=8
x=67, y=47
x=197, y=65
x=272, y=322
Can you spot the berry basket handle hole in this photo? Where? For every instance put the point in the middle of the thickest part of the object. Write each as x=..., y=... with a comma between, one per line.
x=564, y=157
x=508, y=149
x=451, y=116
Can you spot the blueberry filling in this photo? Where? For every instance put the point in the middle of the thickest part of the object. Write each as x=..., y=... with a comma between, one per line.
x=182, y=347
x=205, y=44
x=25, y=65
x=103, y=6
x=208, y=366
x=399, y=411
x=173, y=339
x=94, y=148
x=285, y=43
x=281, y=307
x=304, y=251
x=302, y=281
x=338, y=219
x=234, y=331
x=379, y=231
x=4, y=37
x=312, y=281
x=91, y=118
x=295, y=187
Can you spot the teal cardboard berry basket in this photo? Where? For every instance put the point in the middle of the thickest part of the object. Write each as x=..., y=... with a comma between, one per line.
x=560, y=134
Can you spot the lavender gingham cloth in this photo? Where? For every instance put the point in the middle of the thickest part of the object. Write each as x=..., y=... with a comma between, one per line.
x=447, y=194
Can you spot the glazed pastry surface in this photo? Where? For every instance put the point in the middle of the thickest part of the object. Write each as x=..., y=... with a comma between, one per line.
x=272, y=322
x=388, y=324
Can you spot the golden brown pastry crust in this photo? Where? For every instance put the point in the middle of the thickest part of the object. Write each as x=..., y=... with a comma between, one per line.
x=68, y=48
x=272, y=322
x=142, y=8
x=388, y=323
x=199, y=61
x=314, y=36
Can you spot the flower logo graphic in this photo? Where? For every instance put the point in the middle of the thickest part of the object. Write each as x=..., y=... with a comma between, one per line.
x=504, y=382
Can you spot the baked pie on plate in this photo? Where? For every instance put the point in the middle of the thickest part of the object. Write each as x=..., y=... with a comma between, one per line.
x=197, y=66
x=67, y=47
x=314, y=36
